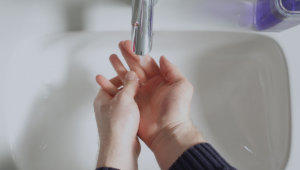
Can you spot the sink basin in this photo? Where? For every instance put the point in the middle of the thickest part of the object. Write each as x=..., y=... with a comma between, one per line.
x=241, y=100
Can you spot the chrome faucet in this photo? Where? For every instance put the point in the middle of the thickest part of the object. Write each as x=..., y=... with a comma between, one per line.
x=142, y=19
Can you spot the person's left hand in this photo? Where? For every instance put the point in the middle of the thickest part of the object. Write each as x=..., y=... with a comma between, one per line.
x=118, y=116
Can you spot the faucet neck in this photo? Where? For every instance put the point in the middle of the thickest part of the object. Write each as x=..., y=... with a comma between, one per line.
x=142, y=19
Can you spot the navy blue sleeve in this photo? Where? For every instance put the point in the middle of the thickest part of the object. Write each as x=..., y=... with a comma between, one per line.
x=106, y=168
x=201, y=157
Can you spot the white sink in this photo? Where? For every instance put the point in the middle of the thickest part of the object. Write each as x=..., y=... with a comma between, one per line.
x=241, y=101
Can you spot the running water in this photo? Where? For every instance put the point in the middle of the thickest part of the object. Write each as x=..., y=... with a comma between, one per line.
x=143, y=60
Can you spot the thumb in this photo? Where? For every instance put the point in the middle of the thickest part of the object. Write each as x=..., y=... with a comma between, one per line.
x=130, y=83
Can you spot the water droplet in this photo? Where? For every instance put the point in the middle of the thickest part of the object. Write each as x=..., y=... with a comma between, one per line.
x=43, y=146
x=247, y=149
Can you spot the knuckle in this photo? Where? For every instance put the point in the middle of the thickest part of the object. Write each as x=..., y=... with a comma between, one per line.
x=187, y=85
x=122, y=96
x=167, y=75
x=99, y=102
x=101, y=106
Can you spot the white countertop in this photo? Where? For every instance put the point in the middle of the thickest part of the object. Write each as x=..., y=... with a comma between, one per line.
x=289, y=41
x=21, y=21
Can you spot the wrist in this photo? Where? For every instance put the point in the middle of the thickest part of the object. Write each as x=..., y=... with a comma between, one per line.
x=172, y=141
x=118, y=154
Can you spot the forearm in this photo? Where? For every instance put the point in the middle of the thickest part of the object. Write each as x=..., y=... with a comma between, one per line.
x=171, y=143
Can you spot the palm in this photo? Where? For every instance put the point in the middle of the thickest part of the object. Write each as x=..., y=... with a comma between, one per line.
x=157, y=100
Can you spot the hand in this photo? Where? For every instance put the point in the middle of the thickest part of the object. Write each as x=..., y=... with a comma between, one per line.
x=164, y=101
x=118, y=116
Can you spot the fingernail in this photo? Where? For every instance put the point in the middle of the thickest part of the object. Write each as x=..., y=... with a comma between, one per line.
x=130, y=75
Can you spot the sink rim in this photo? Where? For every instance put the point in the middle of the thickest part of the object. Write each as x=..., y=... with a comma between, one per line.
x=221, y=32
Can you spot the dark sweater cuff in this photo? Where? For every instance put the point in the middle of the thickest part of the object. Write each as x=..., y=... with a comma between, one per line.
x=106, y=168
x=201, y=157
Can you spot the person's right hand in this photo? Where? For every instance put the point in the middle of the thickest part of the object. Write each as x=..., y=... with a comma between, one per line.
x=164, y=101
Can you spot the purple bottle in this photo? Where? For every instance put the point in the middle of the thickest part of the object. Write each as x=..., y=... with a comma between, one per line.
x=267, y=14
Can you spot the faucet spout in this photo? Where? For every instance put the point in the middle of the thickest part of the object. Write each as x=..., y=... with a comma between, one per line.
x=142, y=19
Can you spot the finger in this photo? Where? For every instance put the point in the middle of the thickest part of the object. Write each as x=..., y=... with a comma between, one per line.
x=116, y=81
x=147, y=63
x=169, y=71
x=107, y=85
x=130, y=84
x=118, y=66
x=133, y=61
x=149, y=66
x=127, y=46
